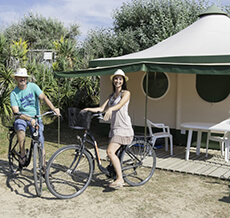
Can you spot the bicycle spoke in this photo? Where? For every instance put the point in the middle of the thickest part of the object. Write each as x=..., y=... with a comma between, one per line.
x=14, y=154
x=138, y=163
x=64, y=179
x=37, y=168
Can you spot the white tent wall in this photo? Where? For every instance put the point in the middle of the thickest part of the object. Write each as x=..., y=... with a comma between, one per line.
x=181, y=103
x=193, y=108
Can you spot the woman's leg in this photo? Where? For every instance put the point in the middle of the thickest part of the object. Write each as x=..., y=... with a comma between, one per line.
x=111, y=152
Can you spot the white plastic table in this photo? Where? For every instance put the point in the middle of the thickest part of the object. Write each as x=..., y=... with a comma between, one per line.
x=195, y=126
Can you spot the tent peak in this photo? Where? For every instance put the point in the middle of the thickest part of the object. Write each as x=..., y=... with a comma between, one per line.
x=212, y=10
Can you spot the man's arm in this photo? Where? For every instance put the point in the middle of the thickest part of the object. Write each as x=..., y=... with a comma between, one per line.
x=43, y=97
x=22, y=116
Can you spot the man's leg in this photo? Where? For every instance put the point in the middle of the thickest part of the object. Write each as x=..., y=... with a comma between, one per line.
x=20, y=126
x=21, y=140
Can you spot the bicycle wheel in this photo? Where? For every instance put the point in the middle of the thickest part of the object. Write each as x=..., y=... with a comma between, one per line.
x=138, y=162
x=13, y=153
x=63, y=178
x=38, y=167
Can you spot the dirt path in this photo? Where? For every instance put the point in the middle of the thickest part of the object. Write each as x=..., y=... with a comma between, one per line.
x=167, y=194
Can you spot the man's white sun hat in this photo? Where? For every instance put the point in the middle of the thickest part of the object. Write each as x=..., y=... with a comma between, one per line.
x=119, y=72
x=22, y=72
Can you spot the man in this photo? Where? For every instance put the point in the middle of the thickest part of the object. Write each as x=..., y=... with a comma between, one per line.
x=25, y=99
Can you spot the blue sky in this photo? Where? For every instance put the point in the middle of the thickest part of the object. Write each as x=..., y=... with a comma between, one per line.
x=89, y=14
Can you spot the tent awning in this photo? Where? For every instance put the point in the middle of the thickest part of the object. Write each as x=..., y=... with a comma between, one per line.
x=169, y=67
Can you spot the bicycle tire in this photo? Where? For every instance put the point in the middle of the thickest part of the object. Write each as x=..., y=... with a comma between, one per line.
x=13, y=153
x=38, y=167
x=61, y=180
x=138, y=162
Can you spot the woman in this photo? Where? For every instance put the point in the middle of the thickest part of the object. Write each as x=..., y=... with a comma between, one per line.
x=121, y=132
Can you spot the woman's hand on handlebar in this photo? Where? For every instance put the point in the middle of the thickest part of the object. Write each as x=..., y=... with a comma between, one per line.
x=108, y=115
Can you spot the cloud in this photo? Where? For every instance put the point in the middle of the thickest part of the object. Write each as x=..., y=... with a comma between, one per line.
x=89, y=14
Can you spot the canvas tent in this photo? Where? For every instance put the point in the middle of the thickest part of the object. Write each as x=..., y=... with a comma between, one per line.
x=201, y=48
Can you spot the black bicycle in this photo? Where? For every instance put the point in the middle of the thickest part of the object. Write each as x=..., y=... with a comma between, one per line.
x=35, y=150
x=70, y=169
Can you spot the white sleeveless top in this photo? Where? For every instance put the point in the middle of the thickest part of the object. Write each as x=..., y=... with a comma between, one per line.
x=120, y=122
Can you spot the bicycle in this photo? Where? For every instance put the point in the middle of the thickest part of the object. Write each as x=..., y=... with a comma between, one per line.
x=70, y=169
x=35, y=149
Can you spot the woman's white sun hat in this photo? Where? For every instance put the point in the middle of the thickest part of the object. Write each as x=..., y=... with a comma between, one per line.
x=22, y=72
x=119, y=72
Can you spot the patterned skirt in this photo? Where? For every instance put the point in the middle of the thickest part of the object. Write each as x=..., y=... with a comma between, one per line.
x=122, y=140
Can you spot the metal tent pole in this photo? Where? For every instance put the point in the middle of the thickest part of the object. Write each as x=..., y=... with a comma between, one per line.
x=146, y=101
x=59, y=124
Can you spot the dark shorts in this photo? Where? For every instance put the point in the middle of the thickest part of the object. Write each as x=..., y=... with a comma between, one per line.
x=20, y=124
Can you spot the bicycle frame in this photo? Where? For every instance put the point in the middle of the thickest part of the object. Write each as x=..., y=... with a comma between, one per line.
x=34, y=139
x=91, y=140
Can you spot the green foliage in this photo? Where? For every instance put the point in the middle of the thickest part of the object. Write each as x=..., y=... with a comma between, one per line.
x=74, y=91
x=66, y=55
x=6, y=86
x=101, y=43
x=88, y=91
x=19, y=50
x=152, y=21
x=2, y=48
x=39, y=32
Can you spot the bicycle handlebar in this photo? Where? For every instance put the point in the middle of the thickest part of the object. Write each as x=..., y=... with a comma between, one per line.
x=16, y=115
x=99, y=115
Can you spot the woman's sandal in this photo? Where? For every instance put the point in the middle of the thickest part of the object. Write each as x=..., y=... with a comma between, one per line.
x=116, y=185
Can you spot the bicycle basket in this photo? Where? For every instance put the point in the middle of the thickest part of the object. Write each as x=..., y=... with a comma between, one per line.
x=78, y=119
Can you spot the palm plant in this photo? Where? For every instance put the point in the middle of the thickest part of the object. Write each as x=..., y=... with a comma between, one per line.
x=6, y=86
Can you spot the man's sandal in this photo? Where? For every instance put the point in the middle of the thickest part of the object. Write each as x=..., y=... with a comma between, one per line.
x=23, y=160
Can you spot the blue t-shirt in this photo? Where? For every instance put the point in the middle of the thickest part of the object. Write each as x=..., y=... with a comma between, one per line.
x=27, y=100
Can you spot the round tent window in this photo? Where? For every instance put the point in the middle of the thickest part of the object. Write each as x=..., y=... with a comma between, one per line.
x=213, y=88
x=158, y=85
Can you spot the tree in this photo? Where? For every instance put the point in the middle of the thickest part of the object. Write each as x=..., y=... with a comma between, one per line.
x=101, y=43
x=6, y=82
x=73, y=91
x=40, y=32
x=152, y=21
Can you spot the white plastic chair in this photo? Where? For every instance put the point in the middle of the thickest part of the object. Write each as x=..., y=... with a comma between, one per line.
x=223, y=139
x=164, y=134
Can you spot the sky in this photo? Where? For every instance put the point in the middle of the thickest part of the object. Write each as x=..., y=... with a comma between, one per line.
x=89, y=14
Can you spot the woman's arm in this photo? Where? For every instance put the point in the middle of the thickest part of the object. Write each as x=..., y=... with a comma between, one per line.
x=98, y=109
x=125, y=98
